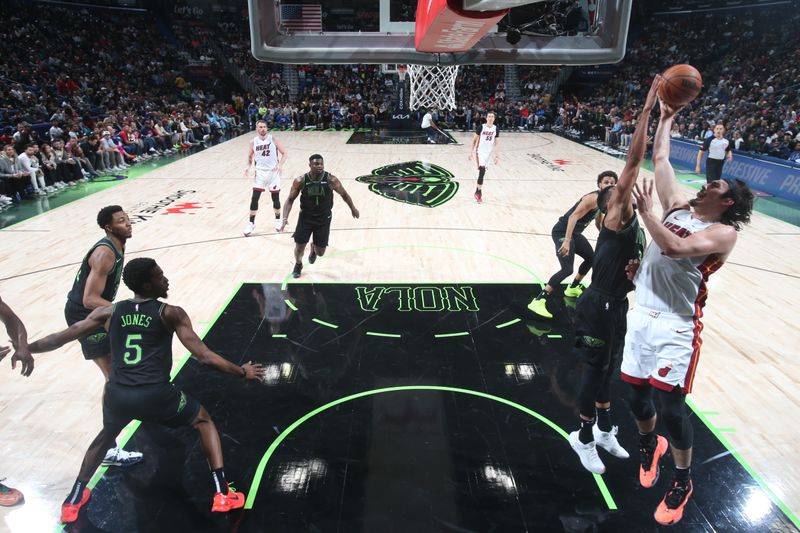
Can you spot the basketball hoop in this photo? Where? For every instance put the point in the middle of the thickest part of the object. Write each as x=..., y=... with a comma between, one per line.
x=432, y=86
x=401, y=71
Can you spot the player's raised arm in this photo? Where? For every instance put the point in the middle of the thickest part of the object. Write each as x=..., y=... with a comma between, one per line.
x=669, y=195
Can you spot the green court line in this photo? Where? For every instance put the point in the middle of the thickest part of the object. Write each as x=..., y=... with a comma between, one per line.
x=554, y=337
x=509, y=323
x=290, y=305
x=708, y=412
x=390, y=335
x=763, y=484
x=726, y=430
x=446, y=335
x=254, y=485
x=279, y=335
x=323, y=323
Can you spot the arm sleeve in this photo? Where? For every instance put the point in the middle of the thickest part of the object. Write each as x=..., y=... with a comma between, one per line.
x=706, y=144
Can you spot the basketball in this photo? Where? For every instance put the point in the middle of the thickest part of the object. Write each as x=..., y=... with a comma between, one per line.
x=681, y=85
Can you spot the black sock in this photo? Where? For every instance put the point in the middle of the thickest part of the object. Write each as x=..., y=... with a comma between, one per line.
x=585, y=433
x=683, y=475
x=277, y=216
x=543, y=295
x=253, y=219
x=76, y=493
x=647, y=440
x=574, y=283
x=603, y=419
x=477, y=190
x=218, y=478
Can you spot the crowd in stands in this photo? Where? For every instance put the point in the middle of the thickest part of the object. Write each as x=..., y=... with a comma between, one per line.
x=75, y=104
x=751, y=82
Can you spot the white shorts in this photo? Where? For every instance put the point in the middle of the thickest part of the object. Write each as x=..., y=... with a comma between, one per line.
x=661, y=349
x=483, y=158
x=267, y=180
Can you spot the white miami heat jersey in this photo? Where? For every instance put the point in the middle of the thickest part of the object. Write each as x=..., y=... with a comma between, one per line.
x=265, y=153
x=676, y=286
x=486, y=138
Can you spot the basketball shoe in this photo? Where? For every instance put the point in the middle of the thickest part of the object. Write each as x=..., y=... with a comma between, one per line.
x=670, y=510
x=70, y=511
x=648, y=469
x=539, y=306
x=278, y=224
x=10, y=497
x=248, y=229
x=587, y=454
x=298, y=267
x=119, y=457
x=479, y=196
x=608, y=441
x=227, y=502
x=312, y=256
x=574, y=292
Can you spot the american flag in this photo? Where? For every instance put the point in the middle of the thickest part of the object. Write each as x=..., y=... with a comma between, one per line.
x=302, y=17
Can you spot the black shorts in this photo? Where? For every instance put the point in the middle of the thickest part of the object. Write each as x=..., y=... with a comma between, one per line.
x=600, y=326
x=306, y=228
x=160, y=403
x=714, y=169
x=95, y=344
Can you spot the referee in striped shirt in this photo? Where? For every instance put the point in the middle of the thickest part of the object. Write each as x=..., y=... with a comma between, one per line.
x=719, y=149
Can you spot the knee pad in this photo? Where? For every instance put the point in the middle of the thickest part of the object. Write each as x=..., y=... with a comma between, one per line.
x=641, y=399
x=673, y=412
x=254, y=200
x=276, y=200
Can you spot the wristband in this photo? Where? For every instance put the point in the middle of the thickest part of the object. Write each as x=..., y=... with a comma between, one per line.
x=244, y=372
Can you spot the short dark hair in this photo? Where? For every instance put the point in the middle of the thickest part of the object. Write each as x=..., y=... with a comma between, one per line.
x=607, y=173
x=603, y=197
x=739, y=212
x=260, y=121
x=137, y=272
x=315, y=156
x=106, y=215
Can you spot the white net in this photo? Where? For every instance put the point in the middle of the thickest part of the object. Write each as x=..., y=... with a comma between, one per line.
x=432, y=86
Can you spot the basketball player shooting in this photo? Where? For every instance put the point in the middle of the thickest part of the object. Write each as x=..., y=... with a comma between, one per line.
x=692, y=240
x=265, y=150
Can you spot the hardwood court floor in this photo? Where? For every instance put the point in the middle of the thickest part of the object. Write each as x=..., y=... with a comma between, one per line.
x=189, y=216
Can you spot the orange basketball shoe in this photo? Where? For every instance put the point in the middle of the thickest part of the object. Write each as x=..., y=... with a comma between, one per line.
x=227, y=502
x=10, y=497
x=70, y=511
x=648, y=469
x=670, y=510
